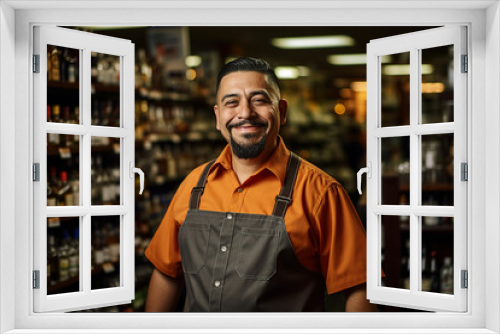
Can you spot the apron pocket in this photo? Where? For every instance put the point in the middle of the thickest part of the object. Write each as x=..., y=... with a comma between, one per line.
x=193, y=243
x=257, y=254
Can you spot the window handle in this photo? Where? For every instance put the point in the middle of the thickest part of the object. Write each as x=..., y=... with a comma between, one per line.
x=138, y=171
x=368, y=171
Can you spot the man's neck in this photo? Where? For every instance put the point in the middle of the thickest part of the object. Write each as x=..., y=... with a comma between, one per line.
x=243, y=168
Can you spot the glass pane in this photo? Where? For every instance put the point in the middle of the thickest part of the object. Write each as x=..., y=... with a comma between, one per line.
x=395, y=168
x=395, y=80
x=105, y=99
x=63, y=84
x=63, y=255
x=63, y=170
x=395, y=231
x=105, y=257
x=437, y=255
x=437, y=84
x=105, y=171
x=437, y=169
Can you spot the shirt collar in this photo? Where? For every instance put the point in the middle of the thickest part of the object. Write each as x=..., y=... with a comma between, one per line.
x=276, y=163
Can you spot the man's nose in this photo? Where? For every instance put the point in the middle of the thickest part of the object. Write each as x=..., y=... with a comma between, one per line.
x=245, y=111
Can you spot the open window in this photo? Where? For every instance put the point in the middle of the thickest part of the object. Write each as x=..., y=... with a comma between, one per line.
x=417, y=160
x=84, y=156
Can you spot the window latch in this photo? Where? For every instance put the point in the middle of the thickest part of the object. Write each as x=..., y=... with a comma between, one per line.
x=368, y=171
x=133, y=170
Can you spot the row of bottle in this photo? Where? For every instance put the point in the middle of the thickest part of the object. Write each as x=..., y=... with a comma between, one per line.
x=70, y=115
x=437, y=160
x=105, y=69
x=63, y=255
x=62, y=191
x=62, y=64
x=436, y=276
x=105, y=187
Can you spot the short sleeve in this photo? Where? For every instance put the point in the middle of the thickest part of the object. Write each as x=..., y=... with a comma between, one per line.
x=341, y=240
x=163, y=250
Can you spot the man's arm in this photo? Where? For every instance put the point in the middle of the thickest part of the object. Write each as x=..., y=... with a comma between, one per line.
x=163, y=292
x=355, y=300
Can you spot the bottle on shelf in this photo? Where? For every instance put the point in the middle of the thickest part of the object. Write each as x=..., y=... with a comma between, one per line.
x=447, y=276
x=64, y=258
x=55, y=65
x=74, y=254
x=64, y=193
x=52, y=261
x=435, y=279
x=426, y=273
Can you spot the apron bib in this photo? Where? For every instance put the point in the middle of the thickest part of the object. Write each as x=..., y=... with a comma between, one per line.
x=236, y=262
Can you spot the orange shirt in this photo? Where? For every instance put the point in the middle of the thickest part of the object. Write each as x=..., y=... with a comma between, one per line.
x=322, y=223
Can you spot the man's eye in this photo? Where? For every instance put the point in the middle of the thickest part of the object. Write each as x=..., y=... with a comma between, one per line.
x=260, y=101
x=231, y=103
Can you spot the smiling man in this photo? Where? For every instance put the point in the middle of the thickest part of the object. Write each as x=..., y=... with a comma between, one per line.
x=257, y=229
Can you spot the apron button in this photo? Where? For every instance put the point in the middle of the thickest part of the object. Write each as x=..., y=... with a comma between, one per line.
x=229, y=216
x=223, y=248
x=217, y=284
x=240, y=190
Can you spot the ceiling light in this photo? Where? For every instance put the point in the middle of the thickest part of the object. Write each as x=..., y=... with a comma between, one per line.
x=286, y=72
x=432, y=87
x=358, y=86
x=312, y=42
x=193, y=61
x=398, y=69
x=353, y=59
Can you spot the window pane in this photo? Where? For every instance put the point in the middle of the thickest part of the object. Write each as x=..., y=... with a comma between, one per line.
x=63, y=169
x=105, y=171
x=437, y=254
x=396, y=251
x=105, y=255
x=437, y=169
x=437, y=84
x=395, y=168
x=105, y=91
x=63, y=83
x=396, y=90
x=63, y=255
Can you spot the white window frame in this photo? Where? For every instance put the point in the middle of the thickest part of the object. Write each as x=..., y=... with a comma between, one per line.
x=86, y=43
x=414, y=44
x=483, y=20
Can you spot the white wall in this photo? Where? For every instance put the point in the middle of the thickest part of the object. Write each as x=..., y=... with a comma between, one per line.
x=492, y=163
x=7, y=162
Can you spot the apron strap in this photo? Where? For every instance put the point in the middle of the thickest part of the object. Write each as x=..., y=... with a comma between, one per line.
x=197, y=191
x=283, y=200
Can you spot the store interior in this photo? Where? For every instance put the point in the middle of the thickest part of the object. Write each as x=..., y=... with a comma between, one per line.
x=175, y=76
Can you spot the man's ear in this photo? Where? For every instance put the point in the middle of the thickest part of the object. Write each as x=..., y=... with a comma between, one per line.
x=216, y=112
x=283, y=108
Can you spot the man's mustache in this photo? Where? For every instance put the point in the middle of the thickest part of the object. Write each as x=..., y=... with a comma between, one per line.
x=246, y=122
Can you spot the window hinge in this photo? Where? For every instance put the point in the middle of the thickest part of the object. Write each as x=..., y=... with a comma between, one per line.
x=464, y=168
x=36, y=172
x=465, y=64
x=465, y=279
x=36, y=279
x=36, y=63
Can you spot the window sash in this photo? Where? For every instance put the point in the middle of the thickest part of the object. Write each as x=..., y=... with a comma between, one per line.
x=413, y=43
x=85, y=297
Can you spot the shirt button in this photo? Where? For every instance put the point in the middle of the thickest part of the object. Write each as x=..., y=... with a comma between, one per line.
x=229, y=215
x=223, y=248
x=217, y=284
x=240, y=190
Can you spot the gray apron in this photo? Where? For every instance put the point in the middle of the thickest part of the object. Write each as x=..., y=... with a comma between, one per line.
x=236, y=262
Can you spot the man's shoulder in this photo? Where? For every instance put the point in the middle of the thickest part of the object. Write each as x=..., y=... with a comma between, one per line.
x=315, y=176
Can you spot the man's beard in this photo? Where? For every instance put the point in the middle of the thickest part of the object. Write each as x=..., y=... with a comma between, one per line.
x=247, y=151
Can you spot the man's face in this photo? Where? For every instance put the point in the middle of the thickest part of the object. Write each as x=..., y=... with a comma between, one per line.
x=249, y=113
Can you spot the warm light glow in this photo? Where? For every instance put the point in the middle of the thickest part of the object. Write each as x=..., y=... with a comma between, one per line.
x=358, y=86
x=193, y=61
x=190, y=74
x=400, y=69
x=353, y=59
x=339, y=109
x=304, y=71
x=312, y=42
x=432, y=87
x=286, y=72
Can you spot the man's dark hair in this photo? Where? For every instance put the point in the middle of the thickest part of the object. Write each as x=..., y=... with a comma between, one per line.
x=248, y=64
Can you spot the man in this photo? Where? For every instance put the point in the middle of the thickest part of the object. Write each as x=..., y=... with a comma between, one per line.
x=258, y=229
